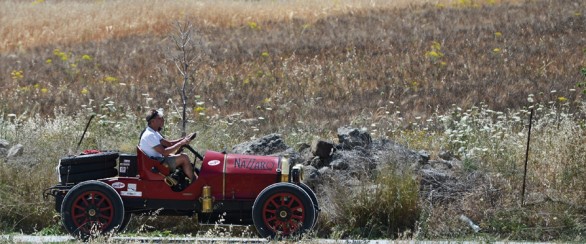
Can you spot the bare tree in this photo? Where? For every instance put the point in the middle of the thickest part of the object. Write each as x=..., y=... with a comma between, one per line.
x=188, y=54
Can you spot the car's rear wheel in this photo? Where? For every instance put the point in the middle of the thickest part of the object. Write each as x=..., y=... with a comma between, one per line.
x=283, y=210
x=125, y=222
x=91, y=208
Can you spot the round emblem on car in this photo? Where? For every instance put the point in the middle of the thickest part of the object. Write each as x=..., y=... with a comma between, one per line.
x=214, y=162
x=118, y=185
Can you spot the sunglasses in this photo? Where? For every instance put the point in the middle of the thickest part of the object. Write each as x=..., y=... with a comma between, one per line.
x=153, y=116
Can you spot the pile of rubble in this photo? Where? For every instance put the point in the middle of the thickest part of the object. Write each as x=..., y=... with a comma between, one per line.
x=357, y=154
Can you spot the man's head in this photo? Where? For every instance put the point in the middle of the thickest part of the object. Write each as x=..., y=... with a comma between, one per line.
x=155, y=119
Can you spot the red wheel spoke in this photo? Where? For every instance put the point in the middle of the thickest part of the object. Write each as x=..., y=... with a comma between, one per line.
x=108, y=217
x=75, y=216
x=106, y=208
x=274, y=203
x=291, y=201
x=101, y=201
x=92, y=198
x=271, y=219
x=273, y=226
x=81, y=221
x=78, y=207
x=85, y=201
x=297, y=217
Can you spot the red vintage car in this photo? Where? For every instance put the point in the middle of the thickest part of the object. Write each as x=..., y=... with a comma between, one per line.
x=99, y=192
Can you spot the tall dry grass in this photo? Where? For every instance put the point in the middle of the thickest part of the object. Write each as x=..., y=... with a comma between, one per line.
x=344, y=64
x=66, y=22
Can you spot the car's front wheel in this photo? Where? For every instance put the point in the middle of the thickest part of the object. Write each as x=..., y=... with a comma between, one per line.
x=282, y=210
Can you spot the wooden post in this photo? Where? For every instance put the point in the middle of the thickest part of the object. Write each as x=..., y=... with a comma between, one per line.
x=526, y=158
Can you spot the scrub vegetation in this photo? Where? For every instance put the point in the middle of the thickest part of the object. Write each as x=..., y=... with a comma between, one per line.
x=458, y=76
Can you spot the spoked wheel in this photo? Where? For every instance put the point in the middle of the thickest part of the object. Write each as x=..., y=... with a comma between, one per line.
x=283, y=210
x=91, y=208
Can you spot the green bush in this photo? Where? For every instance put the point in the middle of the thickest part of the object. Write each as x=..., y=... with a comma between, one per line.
x=385, y=206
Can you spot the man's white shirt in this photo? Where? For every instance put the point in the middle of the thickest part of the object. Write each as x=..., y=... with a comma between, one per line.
x=149, y=140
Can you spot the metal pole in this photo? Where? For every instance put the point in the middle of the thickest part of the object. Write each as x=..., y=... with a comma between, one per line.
x=84, y=131
x=526, y=158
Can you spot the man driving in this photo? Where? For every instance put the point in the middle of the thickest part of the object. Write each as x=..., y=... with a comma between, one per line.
x=161, y=149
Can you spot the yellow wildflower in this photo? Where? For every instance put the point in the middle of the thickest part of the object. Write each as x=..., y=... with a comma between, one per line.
x=110, y=79
x=253, y=25
x=434, y=54
x=17, y=74
x=199, y=109
x=562, y=99
x=84, y=91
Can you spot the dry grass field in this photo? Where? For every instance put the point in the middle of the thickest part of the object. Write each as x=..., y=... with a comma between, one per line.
x=442, y=75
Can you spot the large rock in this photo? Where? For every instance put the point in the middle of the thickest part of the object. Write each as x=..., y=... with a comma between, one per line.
x=268, y=145
x=358, y=160
x=386, y=152
x=353, y=137
x=272, y=145
x=322, y=149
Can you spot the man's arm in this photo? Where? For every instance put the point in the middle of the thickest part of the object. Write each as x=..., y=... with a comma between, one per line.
x=169, y=143
x=168, y=147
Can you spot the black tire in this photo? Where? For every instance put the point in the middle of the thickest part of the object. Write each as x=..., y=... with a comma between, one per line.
x=89, y=159
x=125, y=221
x=73, y=178
x=283, y=210
x=91, y=208
x=313, y=197
x=76, y=169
